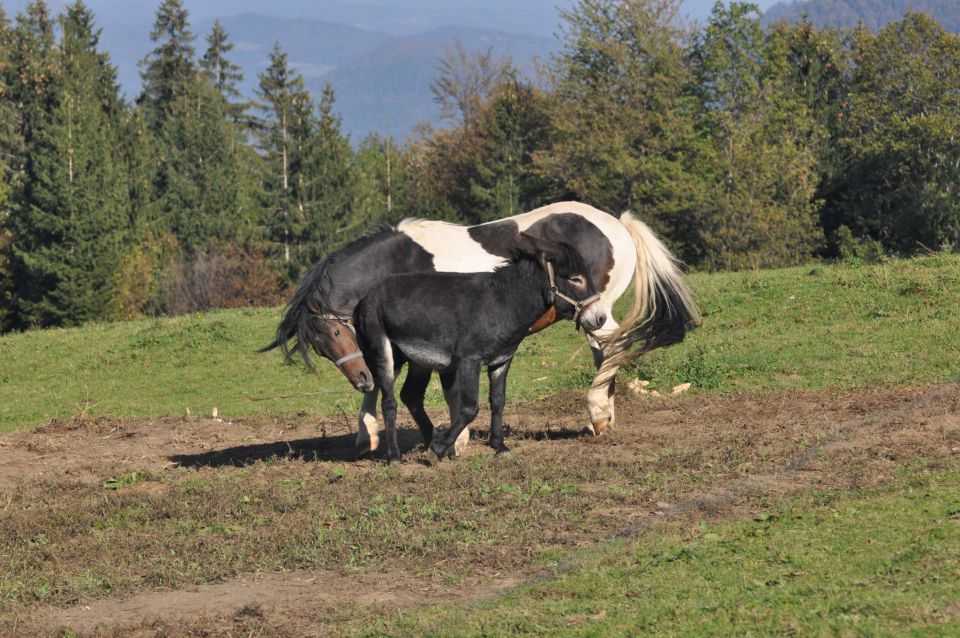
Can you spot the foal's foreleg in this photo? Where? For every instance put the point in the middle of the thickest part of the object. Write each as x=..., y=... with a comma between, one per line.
x=600, y=398
x=412, y=393
x=384, y=373
x=451, y=394
x=498, y=398
x=468, y=394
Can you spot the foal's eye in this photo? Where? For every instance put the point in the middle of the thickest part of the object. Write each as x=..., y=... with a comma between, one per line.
x=576, y=280
x=336, y=334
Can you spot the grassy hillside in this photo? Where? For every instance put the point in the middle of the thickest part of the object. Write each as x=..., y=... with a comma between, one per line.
x=842, y=326
x=800, y=569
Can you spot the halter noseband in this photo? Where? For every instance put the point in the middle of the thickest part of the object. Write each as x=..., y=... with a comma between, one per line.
x=348, y=322
x=578, y=306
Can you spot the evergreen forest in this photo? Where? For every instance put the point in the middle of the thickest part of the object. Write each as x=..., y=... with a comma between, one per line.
x=744, y=144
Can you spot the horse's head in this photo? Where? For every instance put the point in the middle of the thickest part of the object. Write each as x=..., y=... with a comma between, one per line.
x=572, y=291
x=333, y=337
x=308, y=320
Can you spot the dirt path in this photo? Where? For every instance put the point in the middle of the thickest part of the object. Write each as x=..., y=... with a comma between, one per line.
x=747, y=446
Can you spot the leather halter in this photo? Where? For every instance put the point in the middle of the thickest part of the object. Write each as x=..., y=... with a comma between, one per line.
x=348, y=322
x=578, y=306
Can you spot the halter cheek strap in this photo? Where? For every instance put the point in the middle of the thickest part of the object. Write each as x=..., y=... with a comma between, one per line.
x=578, y=306
x=348, y=322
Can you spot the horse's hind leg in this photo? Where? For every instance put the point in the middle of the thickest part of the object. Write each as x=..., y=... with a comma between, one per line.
x=498, y=398
x=412, y=393
x=600, y=398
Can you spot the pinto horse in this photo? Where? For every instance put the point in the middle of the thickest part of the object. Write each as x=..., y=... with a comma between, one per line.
x=615, y=252
x=474, y=320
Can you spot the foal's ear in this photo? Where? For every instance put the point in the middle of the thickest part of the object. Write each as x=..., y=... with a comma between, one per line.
x=543, y=249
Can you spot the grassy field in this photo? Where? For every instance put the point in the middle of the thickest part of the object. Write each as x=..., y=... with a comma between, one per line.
x=841, y=326
x=821, y=407
x=878, y=562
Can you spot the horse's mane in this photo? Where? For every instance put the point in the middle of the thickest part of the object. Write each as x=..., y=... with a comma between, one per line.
x=312, y=297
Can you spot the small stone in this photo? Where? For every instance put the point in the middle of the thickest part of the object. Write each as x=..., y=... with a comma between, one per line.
x=680, y=389
x=214, y=413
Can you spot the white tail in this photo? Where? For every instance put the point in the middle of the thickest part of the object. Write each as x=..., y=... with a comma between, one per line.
x=663, y=307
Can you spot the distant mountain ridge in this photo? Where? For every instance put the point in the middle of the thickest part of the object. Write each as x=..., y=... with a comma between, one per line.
x=873, y=14
x=380, y=55
x=382, y=82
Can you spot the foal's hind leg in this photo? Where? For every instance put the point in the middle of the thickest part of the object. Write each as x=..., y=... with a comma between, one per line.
x=412, y=393
x=498, y=398
x=600, y=398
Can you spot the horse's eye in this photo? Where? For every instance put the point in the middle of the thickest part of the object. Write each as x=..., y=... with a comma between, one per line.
x=576, y=280
x=336, y=334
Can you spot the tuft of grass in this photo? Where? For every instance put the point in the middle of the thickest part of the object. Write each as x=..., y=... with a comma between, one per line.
x=844, y=325
x=126, y=480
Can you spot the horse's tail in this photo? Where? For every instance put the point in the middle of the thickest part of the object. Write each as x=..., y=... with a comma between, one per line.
x=663, y=306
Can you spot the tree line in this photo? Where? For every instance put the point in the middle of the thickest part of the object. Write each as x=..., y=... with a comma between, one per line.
x=744, y=145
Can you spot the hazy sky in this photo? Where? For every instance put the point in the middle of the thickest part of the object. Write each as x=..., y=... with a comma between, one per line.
x=119, y=11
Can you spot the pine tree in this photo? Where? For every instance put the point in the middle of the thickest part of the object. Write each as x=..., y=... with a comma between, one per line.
x=9, y=145
x=381, y=182
x=514, y=127
x=327, y=184
x=285, y=134
x=199, y=187
x=222, y=74
x=169, y=71
x=70, y=222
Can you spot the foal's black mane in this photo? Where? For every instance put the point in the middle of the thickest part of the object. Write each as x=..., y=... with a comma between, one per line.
x=312, y=297
x=527, y=262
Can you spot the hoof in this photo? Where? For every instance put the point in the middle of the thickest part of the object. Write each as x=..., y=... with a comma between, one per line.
x=438, y=451
x=598, y=428
x=503, y=450
x=364, y=447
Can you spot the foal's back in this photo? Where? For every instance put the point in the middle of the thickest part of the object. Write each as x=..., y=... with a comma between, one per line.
x=432, y=317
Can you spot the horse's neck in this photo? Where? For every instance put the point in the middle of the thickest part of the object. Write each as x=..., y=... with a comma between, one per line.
x=357, y=271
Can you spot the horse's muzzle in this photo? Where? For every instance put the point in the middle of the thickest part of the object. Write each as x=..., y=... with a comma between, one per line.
x=593, y=317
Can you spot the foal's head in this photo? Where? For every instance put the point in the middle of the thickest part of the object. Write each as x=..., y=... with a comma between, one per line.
x=574, y=295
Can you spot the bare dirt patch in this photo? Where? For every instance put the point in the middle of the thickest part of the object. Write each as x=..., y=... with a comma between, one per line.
x=272, y=524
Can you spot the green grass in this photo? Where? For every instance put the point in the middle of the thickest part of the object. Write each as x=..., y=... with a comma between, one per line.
x=877, y=563
x=841, y=326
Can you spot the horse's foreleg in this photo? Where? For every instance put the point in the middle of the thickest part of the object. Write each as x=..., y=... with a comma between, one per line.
x=600, y=398
x=451, y=394
x=498, y=398
x=386, y=375
x=368, y=428
x=468, y=395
